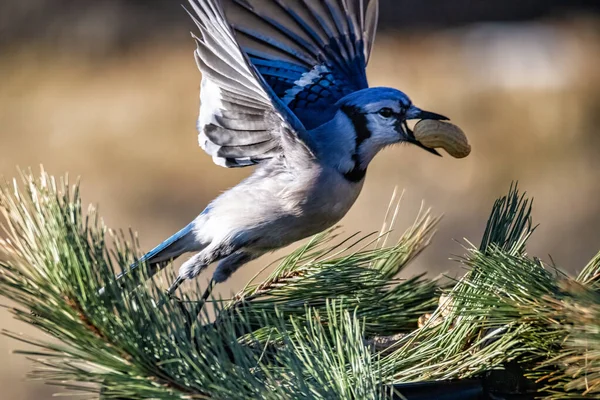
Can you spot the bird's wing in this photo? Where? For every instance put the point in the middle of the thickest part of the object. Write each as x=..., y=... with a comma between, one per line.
x=242, y=121
x=310, y=52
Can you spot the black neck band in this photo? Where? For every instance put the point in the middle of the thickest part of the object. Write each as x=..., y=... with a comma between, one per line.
x=359, y=120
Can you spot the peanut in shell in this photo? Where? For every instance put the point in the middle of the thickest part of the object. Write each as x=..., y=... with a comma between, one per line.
x=440, y=134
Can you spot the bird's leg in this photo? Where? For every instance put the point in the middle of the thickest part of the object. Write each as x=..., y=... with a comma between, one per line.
x=192, y=316
x=197, y=263
x=207, y=291
x=174, y=286
x=200, y=305
x=230, y=264
x=170, y=294
x=191, y=268
x=226, y=267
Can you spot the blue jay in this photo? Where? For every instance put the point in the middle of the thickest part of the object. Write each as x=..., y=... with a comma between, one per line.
x=284, y=87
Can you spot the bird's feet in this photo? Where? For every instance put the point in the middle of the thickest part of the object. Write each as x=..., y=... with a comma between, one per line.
x=170, y=294
x=190, y=315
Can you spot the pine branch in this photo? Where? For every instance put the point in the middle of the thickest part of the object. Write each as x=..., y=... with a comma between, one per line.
x=590, y=275
x=312, y=329
x=478, y=328
x=510, y=224
x=121, y=345
x=361, y=277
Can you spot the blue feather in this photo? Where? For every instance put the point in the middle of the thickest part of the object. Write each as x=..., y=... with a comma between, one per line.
x=158, y=250
x=280, y=64
x=310, y=55
x=164, y=245
x=268, y=41
x=372, y=95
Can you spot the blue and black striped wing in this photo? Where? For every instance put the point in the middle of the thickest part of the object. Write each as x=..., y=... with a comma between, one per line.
x=310, y=52
x=242, y=122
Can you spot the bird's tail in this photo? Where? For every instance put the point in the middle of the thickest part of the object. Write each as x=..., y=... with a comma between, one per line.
x=168, y=250
x=157, y=258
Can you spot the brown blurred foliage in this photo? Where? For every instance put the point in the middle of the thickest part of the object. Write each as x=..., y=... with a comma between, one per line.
x=527, y=94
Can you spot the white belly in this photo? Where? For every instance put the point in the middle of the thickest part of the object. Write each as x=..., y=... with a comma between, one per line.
x=310, y=208
x=272, y=213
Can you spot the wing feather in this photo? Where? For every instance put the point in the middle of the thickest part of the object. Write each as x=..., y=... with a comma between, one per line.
x=310, y=52
x=241, y=122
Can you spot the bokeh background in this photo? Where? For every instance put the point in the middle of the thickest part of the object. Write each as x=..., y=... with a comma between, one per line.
x=108, y=90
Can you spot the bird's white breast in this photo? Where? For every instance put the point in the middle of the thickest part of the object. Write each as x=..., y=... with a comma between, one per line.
x=281, y=209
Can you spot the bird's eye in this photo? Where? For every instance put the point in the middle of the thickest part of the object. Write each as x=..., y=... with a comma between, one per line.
x=386, y=112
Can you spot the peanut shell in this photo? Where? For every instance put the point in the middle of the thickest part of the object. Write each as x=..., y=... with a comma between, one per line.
x=440, y=134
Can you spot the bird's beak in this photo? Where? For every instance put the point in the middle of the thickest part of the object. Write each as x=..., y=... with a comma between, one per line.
x=416, y=113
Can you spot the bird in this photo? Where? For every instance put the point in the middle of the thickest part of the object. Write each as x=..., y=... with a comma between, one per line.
x=284, y=89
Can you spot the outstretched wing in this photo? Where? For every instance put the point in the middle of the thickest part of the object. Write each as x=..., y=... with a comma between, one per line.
x=310, y=52
x=242, y=121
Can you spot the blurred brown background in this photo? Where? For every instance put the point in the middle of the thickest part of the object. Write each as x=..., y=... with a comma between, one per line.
x=108, y=90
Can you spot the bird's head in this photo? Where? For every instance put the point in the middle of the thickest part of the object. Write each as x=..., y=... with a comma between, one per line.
x=379, y=117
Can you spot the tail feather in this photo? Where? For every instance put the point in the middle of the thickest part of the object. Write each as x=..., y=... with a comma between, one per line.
x=168, y=250
x=158, y=258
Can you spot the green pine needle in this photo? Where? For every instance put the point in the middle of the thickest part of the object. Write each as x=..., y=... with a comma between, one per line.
x=312, y=328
